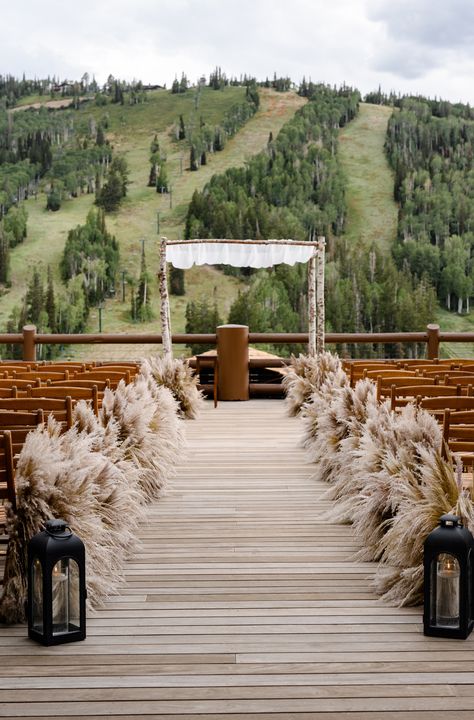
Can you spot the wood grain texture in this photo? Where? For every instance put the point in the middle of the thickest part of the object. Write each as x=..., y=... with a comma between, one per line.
x=243, y=603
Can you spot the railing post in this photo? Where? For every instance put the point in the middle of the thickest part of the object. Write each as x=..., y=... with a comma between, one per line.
x=29, y=345
x=233, y=358
x=433, y=341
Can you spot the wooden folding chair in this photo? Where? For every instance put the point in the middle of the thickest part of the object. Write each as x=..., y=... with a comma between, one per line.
x=113, y=377
x=19, y=424
x=74, y=382
x=8, y=383
x=42, y=375
x=60, y=409
x=7, y=494
x=358, y=370
x=69, y=367
x=401, y=396
x=437, y=405
x=384, y=384
x=458, y=439
x=76, y=393
x=445, y=374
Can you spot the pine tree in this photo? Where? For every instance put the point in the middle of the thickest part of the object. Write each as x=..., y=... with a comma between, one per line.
x=201, y=317
x=34, y=298
x=4, y=256
x=192, y=160
x=152, y=178
x=143, y=311
x=162, y=180
x=100, y=137
x=155, y=145
x=182, y=129
x=111, y=194
x=50, y=304
x=177, y=286
x=53, y=200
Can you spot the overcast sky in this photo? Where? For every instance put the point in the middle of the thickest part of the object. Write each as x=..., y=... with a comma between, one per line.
x=420, y=46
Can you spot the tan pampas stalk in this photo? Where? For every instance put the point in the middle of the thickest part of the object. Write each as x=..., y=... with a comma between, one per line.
x=138, y=413
x=389, y=451
x=322, y=427
x=423, y=496
x=176, y=375
x=305, y=375
x=343, y=428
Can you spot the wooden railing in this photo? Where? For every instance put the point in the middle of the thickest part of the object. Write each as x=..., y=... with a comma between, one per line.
x=30, y=339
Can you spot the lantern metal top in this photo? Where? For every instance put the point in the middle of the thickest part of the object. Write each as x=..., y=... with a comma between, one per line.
x=450, y=521
x=58, y=528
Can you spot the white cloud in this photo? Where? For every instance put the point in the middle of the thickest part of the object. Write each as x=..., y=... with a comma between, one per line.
x=408, y=45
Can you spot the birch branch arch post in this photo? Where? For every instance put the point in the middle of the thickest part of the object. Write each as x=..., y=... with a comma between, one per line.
x=247, y=253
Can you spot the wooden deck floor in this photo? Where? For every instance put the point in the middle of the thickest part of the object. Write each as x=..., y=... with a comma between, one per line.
x=243, y=604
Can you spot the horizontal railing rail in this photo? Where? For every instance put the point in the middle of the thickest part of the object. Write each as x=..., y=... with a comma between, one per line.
x=30, y=339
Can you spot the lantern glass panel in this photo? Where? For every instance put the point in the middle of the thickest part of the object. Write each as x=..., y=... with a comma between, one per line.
x=65, y=592
x=445, y=591
x=37, y=595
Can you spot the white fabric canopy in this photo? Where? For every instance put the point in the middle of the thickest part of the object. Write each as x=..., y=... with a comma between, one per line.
x=237, y=254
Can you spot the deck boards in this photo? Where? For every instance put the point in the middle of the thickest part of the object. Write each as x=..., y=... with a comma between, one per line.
x=242, y=604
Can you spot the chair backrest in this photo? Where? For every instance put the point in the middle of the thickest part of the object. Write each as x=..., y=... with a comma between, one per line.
x=7, y=477
x=409, y=362
x=76, y=393
x=60, y=408
x=355, y=368
x=374, y=374
x=445, y=374
x=453, y=402
x=427, y=367
x=69, y=367
x=42, y=375
x=463, y=380
x=101, y=385
x=19, y=424
x=114, y=377
x=18, y=383
x=401, y=396
x=8, y=392
x=384, y=384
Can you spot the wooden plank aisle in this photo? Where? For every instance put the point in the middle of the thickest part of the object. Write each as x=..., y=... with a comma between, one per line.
x=243, y=604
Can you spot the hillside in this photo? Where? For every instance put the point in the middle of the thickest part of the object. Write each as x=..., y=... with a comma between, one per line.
x=131, y=130
x=372, y=212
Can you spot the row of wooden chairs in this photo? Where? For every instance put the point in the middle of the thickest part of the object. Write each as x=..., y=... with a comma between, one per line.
x=358, y=369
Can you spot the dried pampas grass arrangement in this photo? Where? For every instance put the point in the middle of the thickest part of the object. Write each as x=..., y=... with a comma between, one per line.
x=60, y=476
x=387, y=476
x=333, y=422
x=423, y=497
x=306, y=374
x=389, y=452
x=97, y=476
x=176, y=375
x=148, y=430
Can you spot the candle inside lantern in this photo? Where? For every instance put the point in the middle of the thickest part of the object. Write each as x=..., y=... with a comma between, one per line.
x=60, y=591
x=447, y=591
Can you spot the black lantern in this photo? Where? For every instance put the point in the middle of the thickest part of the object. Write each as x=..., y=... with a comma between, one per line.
x=448, y=578
x=56, y=585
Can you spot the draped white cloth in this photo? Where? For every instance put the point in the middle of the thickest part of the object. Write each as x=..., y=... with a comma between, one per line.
x=237, y=254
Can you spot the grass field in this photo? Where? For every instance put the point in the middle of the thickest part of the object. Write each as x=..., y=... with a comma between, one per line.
x=131, y=130
x=372, y=212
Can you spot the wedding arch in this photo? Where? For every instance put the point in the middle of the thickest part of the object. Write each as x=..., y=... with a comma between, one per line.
x=248, y=253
